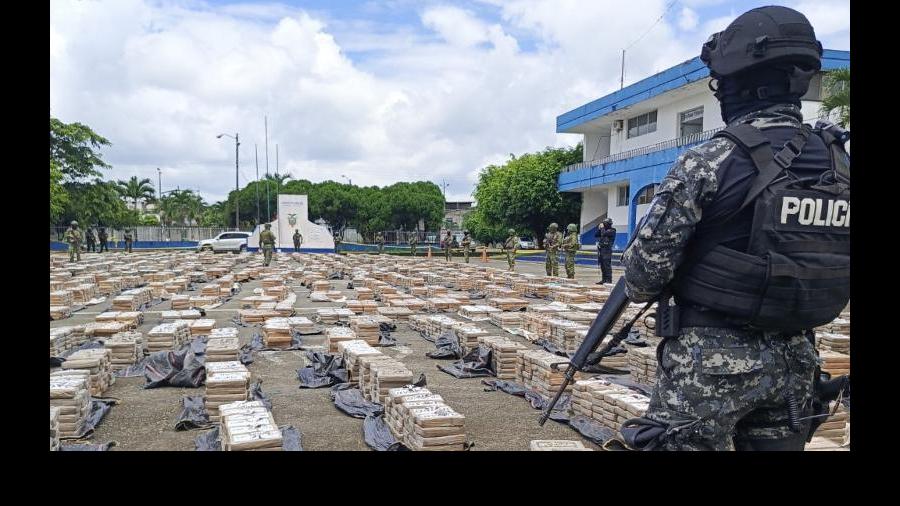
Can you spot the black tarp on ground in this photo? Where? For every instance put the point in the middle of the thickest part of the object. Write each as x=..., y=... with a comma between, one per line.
x=476, y=364
x=324, y=370
x=181, y=368
x=87, y=447
x=209, y=441
x=89, y=345
x=133, y=370
x=378, y=436
x=560, y=412
x=591, y=429
x=447, y=345
x=350, y=400
x=99, y=408
x=193, y=414
x=256, y=394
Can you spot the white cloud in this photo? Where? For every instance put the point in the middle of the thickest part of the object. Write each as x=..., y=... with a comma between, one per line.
x=433, y=101
x=688, y=19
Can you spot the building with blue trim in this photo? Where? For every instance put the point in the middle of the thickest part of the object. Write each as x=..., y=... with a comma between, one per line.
x=634, y=135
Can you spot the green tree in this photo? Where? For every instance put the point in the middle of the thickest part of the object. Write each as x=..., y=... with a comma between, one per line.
x=214, y=215
x=481, y=229
x=74, y=148
x=181, y=207
x=522, y=193
x=137, y=190
x=97, y=203
x=836, y=91
x=148, y=220
x=58, y=196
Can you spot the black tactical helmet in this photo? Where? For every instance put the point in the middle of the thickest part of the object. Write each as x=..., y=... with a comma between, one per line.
x=765, y=35
x=608, y=222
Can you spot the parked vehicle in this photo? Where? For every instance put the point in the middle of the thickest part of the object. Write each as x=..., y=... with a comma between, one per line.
x=526, y=243
x=234, y=242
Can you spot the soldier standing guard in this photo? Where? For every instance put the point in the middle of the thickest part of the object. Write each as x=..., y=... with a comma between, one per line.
x=128, y=240
x=447, y=243
x=298, y=240
x=73, y=238
x=413, y=241
x=101, y=235
x=379, y=240
x=90, y=240
x=512, y=242
x=551, y=245
x=267, y=243
x=466, y=244
x=570, y=245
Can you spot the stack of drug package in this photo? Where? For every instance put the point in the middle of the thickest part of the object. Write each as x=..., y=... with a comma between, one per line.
x=181, y=302
x=435, y=325
x=255, y=301
x=536, y=325
x=176, y=285
x=252, y=316
x=321, y=286
x=54, y=428
x=422, y=421
x=592, y=398
x=223, y=345
x=412, y=303
x=837, y=343
x=564, y=334
x=332, y=316
x=104, y=329
x=202, y=327
x=82, y=293
x=277, y=333
x=226, y=382
x=377, y=375
x=277, y=291
x=442, y=304
x=366, y=328
x=837, y=426
x=534, y=371
x=333, y=295
x=63, y=339
x=335, y=335
x=583, y=317
x=642, y=364
x=477, y=312
x=557, y=445
x=363, y=293
x=507, y=320
x=352, y=351
x=96, y=362
x=468, y=336
x=567, y=295
x=504, y=356
x=508, y=303
x=225, y=284
x=70, y=394
x=500, y=292
x=109, y=285
x=598, y=296
x=836, y=364
x=168, y=336
x=840, y=325
x=436, y=290
x=464, y=282
x=215, y=272
x=125, y=349
x=362, y=306
x=202, y=300
x=211, y=290
x=249, y=426
x=60, y=312
x=184, y=314
x=60, y=304
x=285, y=307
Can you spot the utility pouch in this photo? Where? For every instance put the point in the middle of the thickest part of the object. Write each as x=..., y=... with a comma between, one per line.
x=667, y=317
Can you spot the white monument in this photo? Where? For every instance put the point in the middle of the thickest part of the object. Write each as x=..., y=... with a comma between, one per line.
x=293, y=214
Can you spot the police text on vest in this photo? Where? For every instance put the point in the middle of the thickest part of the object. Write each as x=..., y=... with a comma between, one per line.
x=816, y=212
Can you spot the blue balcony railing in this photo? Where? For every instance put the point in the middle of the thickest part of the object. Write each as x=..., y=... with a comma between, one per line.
x=659, y=146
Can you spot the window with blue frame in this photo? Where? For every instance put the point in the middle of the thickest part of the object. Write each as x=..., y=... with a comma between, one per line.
x=646, y=195
x=622, y=199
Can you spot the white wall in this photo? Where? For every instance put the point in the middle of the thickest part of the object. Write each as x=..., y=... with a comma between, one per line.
x=593, y=205
x=619, y=214
x=596, y=146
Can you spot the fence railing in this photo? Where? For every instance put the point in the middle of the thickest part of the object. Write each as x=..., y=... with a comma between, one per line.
x=150, y=233
x=659, y=146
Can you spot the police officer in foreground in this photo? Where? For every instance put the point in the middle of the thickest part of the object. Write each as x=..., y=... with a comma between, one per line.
x=606, y=237
x=73, y=238
x=267, y=243
x=748, y=241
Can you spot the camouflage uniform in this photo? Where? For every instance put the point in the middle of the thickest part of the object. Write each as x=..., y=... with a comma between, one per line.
x=298, y=240
x=267, y=242
x=73, y=238
x=551, y=244
x=104, y=244
x=379, y=240
x=90, y=241
x=337, y=244
x=715, y=386
x=571, y=244
x=512, y=242
x=128, y=241
x=448, y=247
x=466, y=244
x=413, y=241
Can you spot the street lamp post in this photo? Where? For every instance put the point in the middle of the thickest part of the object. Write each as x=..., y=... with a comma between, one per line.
x=237, y=197
x=349, y=181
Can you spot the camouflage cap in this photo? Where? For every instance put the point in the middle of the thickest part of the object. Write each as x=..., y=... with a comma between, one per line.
x=554, y=226
x=572, y=227
x=74, y=223
x=268, y=226
x=512, y=231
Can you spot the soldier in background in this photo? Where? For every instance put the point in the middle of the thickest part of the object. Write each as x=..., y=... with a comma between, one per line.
x=606, y=237
x=379, y=240
x=129, y=240
x=90, y=240
x=512, y=242
x=570, y=245
x=101, y=235
x=337, y=243
x=551, y=245
x=267, y=243
x=298, y=240
x=73, y=238
x=413, y=241
x=466, y=244
x=447, y=244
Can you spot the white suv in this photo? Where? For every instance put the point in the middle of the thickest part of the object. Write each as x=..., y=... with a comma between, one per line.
x=235, y=242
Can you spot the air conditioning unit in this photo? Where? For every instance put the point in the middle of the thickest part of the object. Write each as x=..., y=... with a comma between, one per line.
x=619, y=125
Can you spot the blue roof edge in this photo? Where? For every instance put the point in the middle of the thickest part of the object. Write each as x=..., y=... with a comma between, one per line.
x=675, y=77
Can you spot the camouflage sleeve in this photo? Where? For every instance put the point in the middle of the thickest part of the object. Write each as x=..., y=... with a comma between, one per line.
x=658, y=246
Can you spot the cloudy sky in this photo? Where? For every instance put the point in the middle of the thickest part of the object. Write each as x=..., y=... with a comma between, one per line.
x=378, y=91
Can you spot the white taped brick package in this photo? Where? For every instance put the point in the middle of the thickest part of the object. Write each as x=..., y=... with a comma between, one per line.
x=226, y=382
x=504, y=356
x=607, y=403
x=125, y=348
x=534, y=370
x=96, y=362
x=70, y=394
x=422, y=421
x=642, y=364
x=335, y=335
x=351, y=351
x=248, y=426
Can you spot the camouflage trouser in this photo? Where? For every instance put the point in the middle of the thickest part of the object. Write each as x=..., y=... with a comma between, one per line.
x=128, y=246
x=448, y=254
x=570, y=265
x=74, y=252
x=412, y=250
x=380, y=249
x=466, y=254
x=552, y=264
x=511, y=260
x=724, y=389
x=267, y=254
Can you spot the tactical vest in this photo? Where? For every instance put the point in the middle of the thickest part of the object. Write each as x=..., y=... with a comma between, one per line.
x=794, y=271
x=607, y=238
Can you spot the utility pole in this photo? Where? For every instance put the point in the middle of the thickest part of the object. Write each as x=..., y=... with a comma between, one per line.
x=159, y=185
x=237, y=187
x=276, y=159
x=622, y=76
x=256, y=156
x=268, y=207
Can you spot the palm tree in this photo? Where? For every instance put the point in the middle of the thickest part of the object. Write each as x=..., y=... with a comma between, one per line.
x=182, y=207
x=136, y=190
x=278, y=179
x=837, y=95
